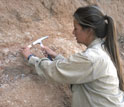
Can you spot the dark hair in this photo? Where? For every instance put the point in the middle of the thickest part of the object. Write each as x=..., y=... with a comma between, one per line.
x=103, y=26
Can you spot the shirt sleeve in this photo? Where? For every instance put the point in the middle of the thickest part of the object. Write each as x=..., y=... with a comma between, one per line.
x=74, y=70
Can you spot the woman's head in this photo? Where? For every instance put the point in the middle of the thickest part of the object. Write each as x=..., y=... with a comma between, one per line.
x=83, y=35
x=91, y=17
x=91, y=23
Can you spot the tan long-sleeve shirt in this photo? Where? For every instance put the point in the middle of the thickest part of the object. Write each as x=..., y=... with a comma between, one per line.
x=92, y=73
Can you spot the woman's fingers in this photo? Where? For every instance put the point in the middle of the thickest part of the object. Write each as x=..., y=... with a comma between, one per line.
x=25, y=51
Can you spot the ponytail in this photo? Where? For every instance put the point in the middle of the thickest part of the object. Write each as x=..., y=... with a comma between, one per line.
x=111, y=45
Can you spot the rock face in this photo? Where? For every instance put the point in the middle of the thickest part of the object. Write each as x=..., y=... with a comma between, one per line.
x=24, y=21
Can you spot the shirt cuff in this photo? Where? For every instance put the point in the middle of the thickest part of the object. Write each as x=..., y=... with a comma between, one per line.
x=30, y=56
x=33, y=60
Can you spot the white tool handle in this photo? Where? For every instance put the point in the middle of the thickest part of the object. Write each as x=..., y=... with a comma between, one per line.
x=41, y=44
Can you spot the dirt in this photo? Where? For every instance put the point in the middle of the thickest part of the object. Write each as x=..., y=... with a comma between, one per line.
x=24, y=21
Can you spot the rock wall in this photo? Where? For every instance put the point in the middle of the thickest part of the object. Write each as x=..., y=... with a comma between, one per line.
x=22, y=22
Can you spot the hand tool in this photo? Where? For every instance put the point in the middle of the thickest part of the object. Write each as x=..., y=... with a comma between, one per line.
x=39, y=41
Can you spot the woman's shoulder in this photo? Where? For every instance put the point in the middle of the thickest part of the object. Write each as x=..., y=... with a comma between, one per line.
x=97, y=53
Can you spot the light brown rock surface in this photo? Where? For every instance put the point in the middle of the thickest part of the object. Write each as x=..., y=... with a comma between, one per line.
x=22, y=22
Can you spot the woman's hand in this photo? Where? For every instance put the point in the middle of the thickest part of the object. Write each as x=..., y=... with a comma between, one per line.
x=26, y=52
x=47, y=51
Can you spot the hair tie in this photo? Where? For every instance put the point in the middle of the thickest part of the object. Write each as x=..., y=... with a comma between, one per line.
x=105, y=17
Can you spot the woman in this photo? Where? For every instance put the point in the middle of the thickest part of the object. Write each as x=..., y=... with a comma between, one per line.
x=95, y=74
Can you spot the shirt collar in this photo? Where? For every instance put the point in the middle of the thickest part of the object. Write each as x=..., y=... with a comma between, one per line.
x=96, y=41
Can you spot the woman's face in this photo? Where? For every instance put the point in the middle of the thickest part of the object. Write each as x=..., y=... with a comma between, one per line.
x=82, y=35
